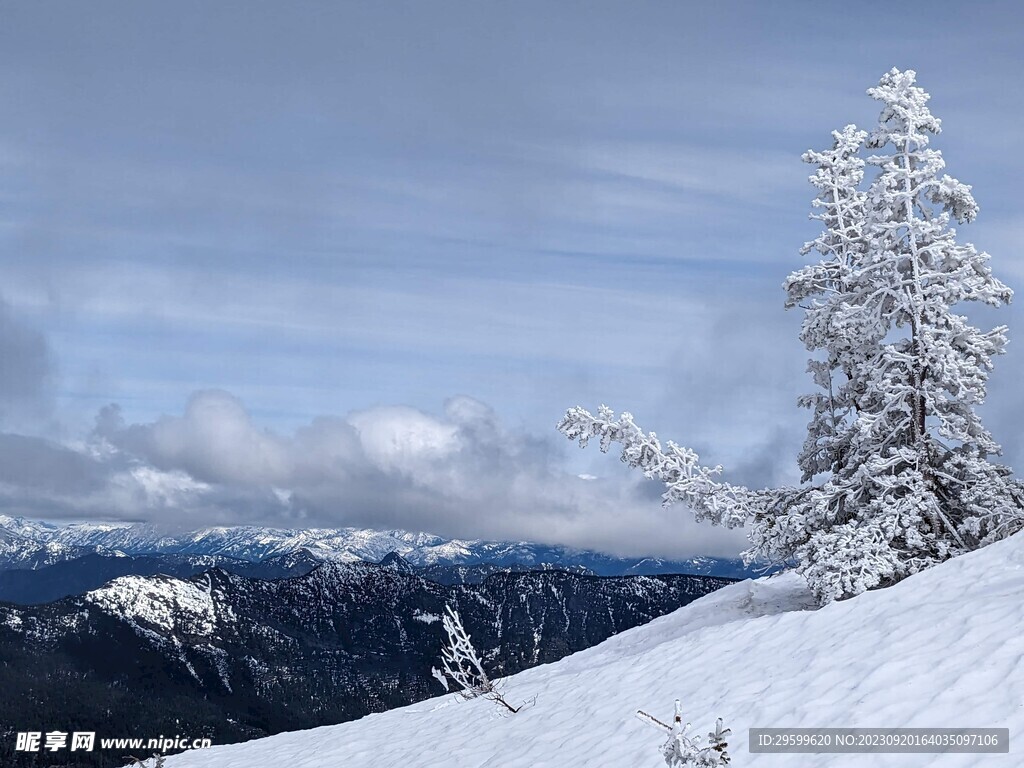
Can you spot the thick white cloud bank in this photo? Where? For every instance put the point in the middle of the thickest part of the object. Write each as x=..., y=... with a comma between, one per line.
x=457, y=473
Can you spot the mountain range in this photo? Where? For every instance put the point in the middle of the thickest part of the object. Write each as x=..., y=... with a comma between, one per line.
x=32, y=544
x=233, y=657
x=236, y=633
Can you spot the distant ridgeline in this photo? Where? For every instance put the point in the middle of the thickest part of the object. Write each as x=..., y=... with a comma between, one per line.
x=85, y=556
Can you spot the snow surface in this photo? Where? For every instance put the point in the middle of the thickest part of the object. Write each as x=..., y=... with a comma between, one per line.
x=940, y=649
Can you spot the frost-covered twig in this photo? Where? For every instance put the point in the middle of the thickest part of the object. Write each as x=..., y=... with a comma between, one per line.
x=460, y=664
x=682, y=750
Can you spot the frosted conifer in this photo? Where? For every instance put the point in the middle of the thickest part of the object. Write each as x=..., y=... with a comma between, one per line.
x=896, y=465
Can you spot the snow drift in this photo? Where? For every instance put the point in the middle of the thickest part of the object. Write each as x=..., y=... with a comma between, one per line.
x=940, y=649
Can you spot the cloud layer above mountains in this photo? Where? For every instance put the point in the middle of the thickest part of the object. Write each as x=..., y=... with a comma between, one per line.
x=459, y=473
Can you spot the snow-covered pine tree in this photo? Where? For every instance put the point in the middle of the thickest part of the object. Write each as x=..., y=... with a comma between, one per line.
x=902, y=457
x=914, y=485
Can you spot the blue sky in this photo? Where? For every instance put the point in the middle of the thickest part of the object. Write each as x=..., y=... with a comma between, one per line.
x=352, y=214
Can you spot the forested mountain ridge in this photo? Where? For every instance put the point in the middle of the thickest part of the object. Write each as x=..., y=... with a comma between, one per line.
x=231, y=657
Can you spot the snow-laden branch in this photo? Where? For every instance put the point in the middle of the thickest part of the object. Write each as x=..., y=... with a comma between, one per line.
x=679, y=468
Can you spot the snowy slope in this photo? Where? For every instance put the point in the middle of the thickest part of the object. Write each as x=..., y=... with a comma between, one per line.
x=943, y=648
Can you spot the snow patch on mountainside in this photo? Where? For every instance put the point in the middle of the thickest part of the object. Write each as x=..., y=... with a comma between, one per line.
x=941, y=649
x=161, y=601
